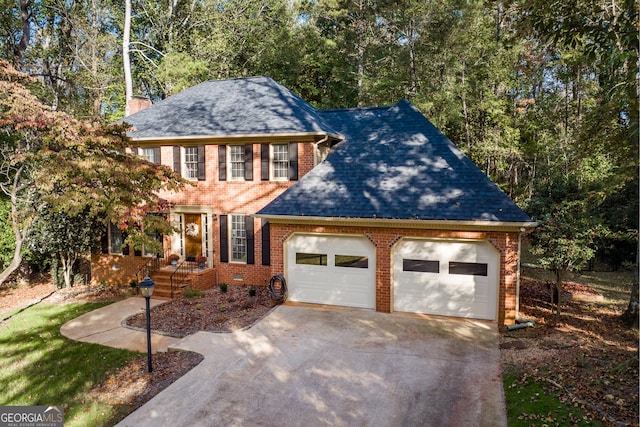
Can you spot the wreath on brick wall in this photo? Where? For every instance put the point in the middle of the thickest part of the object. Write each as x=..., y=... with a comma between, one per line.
x=192, y=229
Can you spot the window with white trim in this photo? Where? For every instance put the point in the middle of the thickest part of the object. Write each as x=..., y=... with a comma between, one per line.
x=238, y=238
x=236, y=161
x=191, y=162
x=280, y=161
x=148, y=154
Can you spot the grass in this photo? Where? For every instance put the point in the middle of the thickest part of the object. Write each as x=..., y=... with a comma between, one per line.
x=529, y=405
x=38, y=366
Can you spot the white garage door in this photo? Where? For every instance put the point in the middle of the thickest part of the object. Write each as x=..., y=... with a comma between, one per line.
x=328, y=269
x=450, y=278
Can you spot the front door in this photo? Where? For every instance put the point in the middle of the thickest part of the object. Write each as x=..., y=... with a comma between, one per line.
x=193, y=236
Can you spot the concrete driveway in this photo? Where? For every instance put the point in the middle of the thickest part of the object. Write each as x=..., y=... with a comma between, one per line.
x=315, y=366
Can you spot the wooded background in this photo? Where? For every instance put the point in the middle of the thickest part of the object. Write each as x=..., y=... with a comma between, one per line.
x=542, y=95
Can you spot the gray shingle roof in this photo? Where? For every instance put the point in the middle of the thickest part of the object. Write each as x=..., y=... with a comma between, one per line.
x=395, y=164
x=256, y=105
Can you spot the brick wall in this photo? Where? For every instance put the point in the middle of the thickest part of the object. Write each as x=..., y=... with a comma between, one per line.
x=222, y=198
x=384, y=240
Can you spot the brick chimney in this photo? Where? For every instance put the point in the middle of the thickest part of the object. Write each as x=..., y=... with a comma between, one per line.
x=137, y=103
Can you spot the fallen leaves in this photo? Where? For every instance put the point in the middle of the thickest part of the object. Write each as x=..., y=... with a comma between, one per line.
x=587, y=358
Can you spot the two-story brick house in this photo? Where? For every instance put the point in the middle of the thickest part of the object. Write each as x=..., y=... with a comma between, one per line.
x=397, y=218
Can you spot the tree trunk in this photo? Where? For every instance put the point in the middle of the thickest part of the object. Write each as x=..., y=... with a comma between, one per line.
x=128, y=82
x=630, y=316
x=558, y=293
x=15, y=262
x=20, y=230
x=68, y=261
x=20, y=49
x=413, y=74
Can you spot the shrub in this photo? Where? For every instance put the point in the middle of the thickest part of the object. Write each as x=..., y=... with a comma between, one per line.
x=191, y=293
x=223, y=287
x=252, y=291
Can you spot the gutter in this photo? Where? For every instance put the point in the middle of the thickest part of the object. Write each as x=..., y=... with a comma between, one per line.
x=401, y=223
x=227, y=138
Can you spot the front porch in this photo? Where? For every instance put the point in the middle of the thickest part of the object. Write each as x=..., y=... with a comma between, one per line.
x=172, y=280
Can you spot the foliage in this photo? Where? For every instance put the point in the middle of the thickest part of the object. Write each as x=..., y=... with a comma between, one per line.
x=7, y=238
x=192, y=293
x=64, y=237
x=70, y=166
x=528, y=403
x=223, y=287
x=33, y=349
x=529, y=90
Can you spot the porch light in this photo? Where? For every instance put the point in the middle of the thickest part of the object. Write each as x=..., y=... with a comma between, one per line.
x=146, y=289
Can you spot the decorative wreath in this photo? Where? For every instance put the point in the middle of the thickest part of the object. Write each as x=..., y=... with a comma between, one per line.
x=192, y=229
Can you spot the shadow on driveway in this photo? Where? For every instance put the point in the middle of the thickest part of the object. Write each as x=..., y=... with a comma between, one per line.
x=318, y=366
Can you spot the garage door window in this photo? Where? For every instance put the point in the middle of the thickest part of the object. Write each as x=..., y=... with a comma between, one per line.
x=468, y=268
x=352, y=261
x=311, y=259
x=421, y=265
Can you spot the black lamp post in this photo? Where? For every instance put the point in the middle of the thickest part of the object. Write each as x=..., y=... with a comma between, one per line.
x=146, y=288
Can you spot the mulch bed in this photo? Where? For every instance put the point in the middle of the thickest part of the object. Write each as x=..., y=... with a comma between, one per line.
x=212, y=310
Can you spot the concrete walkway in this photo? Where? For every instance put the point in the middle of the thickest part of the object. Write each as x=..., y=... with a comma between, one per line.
x=104, y=326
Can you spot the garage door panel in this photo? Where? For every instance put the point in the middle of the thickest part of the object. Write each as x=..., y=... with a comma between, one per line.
x=341, y=273
x=459, y=278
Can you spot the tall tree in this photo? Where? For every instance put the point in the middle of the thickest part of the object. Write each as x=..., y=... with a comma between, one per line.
x=70, y=165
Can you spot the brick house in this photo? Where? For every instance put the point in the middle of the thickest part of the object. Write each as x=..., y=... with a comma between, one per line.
x=369, y=207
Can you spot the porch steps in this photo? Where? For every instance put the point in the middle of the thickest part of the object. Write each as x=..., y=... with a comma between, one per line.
x=162, y=279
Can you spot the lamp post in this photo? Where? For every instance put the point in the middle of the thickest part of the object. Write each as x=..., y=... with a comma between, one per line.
x=146, y=289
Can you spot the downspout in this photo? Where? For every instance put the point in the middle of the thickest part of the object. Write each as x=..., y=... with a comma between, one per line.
x=522, y=231
x=316, y=151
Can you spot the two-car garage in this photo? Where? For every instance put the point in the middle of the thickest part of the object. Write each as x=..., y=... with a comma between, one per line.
x=431, y=276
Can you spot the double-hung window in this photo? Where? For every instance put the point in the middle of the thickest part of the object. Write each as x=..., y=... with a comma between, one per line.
x=236, y=160
x=280, y=161
x=238, y=238
x=191, y=162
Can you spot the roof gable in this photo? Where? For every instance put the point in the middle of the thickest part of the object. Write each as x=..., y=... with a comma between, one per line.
x=400, y=166
x=234, y=107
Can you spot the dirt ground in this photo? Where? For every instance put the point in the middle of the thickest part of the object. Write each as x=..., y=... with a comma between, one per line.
x=587, y=357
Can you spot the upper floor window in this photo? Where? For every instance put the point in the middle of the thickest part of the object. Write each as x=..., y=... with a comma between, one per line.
x=191, y=162
x=280, y=161
x=236, y=161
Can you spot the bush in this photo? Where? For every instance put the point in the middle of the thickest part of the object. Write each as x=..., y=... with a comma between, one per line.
x=252, y=291
x=191, y=293
x=223, y=287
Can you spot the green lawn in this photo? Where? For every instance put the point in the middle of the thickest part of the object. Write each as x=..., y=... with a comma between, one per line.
x=529, y=405
x=38, y=366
